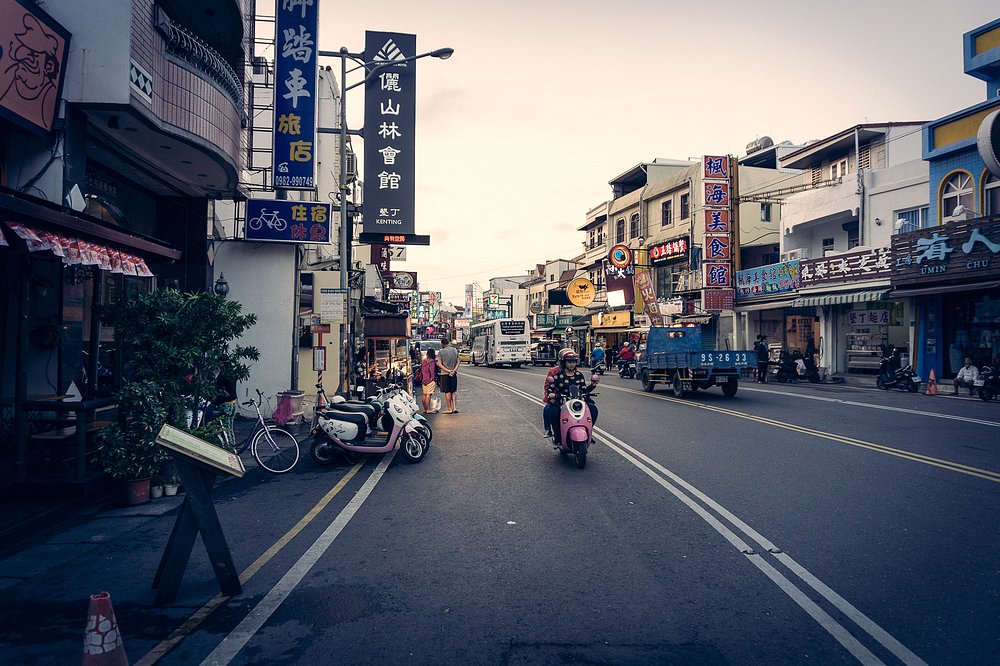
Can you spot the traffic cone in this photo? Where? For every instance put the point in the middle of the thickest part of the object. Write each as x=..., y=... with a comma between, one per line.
x=102, y=644
x=931, y=384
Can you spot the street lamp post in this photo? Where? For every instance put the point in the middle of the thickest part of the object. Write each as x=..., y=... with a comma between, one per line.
x=347, y=227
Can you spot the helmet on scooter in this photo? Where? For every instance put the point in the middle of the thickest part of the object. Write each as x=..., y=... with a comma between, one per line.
x=570, y=355
x=563, y=352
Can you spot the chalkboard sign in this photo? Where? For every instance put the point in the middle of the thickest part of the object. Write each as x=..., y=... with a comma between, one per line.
x=187, y=444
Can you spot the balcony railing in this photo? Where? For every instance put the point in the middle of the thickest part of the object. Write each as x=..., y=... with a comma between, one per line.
x=184, y=44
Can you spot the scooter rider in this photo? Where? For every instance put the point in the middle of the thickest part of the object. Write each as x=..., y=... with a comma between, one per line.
x=566, y=377
x=596, y=356
x=548, y=385
x=626, y=354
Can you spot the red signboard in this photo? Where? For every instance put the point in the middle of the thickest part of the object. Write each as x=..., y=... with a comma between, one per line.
x=715, y=167
x=718, y=299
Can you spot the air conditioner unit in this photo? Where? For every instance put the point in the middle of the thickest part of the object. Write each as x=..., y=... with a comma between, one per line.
x=792, y=255
x=351, y=167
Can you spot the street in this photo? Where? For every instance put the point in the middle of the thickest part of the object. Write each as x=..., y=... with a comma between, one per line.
x=789, y=524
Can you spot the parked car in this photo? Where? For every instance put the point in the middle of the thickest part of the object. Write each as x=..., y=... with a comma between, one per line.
x=465, y=355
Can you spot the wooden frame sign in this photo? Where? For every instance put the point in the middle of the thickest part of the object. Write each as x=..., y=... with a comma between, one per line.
x=199, y=450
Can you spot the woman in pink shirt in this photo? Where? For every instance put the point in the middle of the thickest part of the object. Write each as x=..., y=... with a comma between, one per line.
x=428, y=373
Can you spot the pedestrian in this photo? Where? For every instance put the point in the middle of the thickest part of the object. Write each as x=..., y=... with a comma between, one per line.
x=761, y=348
x=448, y=372
x=428, y=369
x=966, y=377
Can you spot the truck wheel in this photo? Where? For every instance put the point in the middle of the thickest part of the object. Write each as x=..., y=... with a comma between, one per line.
x=647, y=384
x=729, y=388
x=678, y=385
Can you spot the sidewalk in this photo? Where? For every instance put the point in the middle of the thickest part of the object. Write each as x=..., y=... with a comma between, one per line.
x=28, y=515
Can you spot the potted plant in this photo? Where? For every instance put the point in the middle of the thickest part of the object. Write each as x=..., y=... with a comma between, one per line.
x=127, y=449
x=176, y=348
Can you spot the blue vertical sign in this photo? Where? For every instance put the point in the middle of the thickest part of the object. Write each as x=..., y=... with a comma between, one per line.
x=294, y=154
x=390, y=121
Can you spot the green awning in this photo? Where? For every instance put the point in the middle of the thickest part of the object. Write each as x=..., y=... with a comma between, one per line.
x=841, y=298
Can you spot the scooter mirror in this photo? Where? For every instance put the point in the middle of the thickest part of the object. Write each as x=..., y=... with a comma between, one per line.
x=595, y=378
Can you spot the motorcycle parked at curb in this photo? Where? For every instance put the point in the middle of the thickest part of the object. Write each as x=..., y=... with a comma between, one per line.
x=988, y=383
x=375, y=407
x=785, y=370
x=337, y=431
x=575, y=423
x=904, y=379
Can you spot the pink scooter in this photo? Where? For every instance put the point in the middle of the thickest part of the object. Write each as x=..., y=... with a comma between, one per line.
x=575, y=423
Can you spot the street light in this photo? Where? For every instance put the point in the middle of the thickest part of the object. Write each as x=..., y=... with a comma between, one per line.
x=346, y=228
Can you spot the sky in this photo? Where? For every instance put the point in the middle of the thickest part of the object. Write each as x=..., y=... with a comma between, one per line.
x=545, y=101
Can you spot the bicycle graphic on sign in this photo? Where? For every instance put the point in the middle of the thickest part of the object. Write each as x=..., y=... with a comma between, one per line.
x=271, y=219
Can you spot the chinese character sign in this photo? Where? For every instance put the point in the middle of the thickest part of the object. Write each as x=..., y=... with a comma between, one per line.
x=768, y=280
x=716, y=167
x=294, y=157
x=860, y=265
x=961, y=250
x=390, y=122
x=287, y=221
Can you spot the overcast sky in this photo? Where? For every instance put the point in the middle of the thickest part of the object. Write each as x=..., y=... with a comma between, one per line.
x=545, y=101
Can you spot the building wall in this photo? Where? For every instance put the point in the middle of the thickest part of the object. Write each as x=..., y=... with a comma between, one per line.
x=98, y=62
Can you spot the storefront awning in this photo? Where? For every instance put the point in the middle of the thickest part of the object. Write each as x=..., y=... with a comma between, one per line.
x=942, y=289
x=74, y=251
x=769, y=305
x=841, y=298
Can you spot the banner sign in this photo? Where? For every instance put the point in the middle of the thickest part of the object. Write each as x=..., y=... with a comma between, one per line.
x=768, y=280
x=33, y=49
x=717, y=292
x=672, y=250
x=645, y=286
x=285, y=221
x=332, y=305
x=404, y=280
x=718, y=275
x=382, y=259
x=545, y=320
x=294, y=153
x=961, y=250
x=718, y=248
x=849, y=267
x=717, y=221
x=390, y=123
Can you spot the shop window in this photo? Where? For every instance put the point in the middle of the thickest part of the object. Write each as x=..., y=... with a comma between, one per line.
x=957, y=191
x=911, y=220
x=667, y=213
x=991, y=196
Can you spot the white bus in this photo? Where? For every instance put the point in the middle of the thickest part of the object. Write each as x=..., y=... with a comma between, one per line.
x=499, y=341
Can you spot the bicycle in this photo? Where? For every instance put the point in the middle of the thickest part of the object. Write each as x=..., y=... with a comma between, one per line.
x=275, y=449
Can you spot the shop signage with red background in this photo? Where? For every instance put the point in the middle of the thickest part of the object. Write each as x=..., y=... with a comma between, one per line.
x=672, y=250
x=849, y=267
x=645, y=286
x=718, y=258
x=960, y=251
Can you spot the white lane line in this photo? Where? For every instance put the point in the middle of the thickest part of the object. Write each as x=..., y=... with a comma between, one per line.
x=834, y=628
x=231, y=645
x=839, y=401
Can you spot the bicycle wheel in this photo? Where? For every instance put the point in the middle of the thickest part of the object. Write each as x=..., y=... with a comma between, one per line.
x=275, y=450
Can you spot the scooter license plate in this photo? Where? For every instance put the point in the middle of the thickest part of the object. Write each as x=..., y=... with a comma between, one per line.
x=978, y=382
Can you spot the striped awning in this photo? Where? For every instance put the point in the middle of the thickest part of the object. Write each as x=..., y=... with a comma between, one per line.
x=841, y=298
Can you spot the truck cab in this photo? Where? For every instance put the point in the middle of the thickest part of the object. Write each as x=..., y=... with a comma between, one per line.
x=678, y=355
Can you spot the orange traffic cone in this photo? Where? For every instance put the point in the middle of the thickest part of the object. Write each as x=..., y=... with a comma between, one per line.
x=102, y=644
x=931, y=384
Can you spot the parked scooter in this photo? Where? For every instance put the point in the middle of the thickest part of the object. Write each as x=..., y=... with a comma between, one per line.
x=575, y=423
x=806, y=369
x=375, y=407
x=627, y=370
x=785, y=370
x=336, y=431
x=988, y=383
x=904, y=379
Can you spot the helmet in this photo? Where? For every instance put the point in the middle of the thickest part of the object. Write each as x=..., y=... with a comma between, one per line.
x=563, y=352
x=625, y=344
x=570, y=355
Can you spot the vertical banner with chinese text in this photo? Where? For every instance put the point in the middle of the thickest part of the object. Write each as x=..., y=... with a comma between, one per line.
x=294, y=163
x=718, y=292
x=390, y=122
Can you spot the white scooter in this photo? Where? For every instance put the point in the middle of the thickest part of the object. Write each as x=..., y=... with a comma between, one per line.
x=375, y=407
x=336, y=431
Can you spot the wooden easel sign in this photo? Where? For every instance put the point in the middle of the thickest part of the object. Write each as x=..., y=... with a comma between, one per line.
x=198, y=463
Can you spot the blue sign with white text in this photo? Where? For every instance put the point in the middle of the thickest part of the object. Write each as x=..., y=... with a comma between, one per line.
x=294, y=156
x=287, y=221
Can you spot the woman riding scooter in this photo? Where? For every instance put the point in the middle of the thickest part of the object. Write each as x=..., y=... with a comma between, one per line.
x=547, y=387
x=567, y=376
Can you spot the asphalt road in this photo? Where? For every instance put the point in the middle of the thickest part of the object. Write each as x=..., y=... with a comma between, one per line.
x=789, y=524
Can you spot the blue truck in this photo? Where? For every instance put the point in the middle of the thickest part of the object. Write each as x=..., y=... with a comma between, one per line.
x=678, y=355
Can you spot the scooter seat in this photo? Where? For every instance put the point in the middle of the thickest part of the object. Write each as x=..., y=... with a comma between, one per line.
x=357, y=418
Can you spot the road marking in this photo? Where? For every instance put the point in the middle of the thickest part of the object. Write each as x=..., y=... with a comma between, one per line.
x=673, y=484
x=986, y=474
x=251, y=624
x=199, y=616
